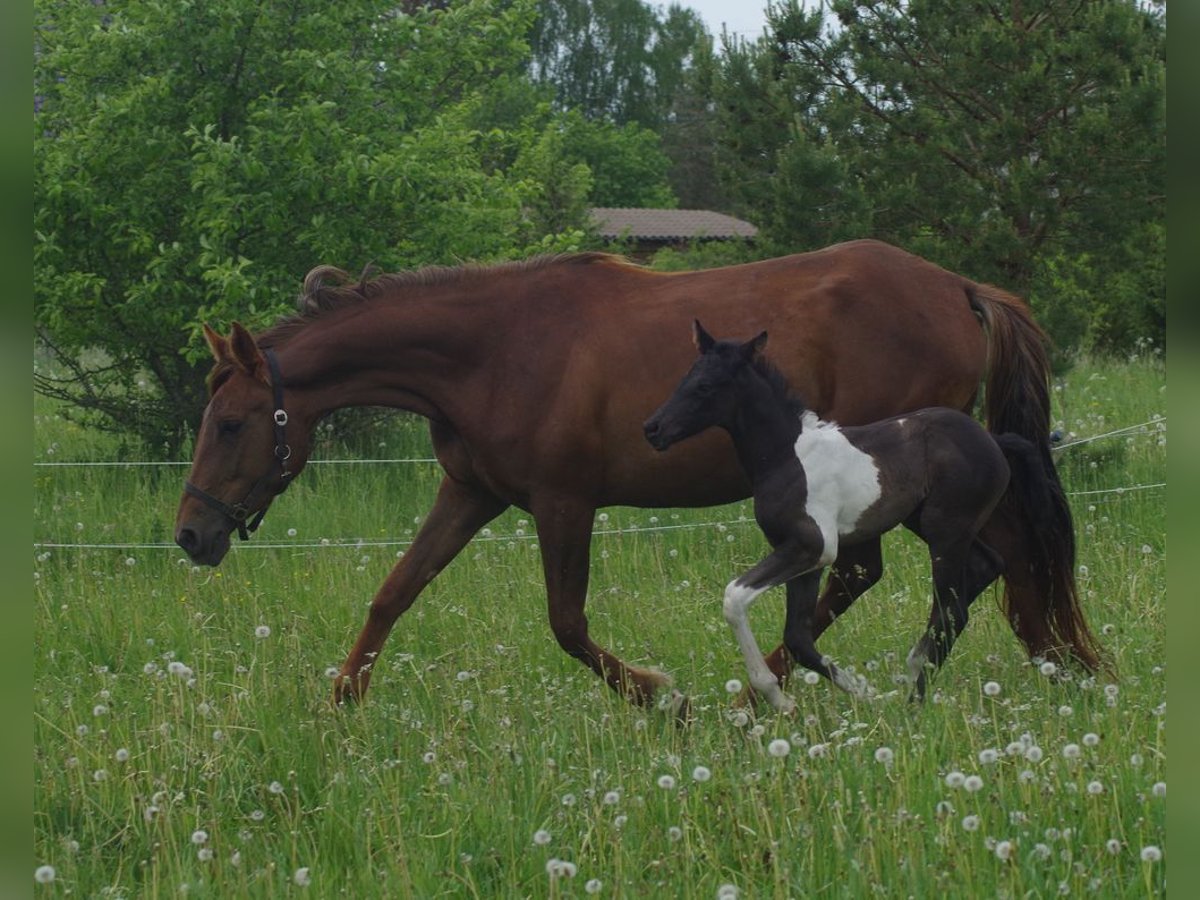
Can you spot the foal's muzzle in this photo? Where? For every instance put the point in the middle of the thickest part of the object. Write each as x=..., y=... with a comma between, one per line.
x=656, y=434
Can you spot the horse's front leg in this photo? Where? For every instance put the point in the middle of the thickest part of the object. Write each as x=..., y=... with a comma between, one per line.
x=564, y=527
x=457, y=514
x=856, y=569
x=786, y=563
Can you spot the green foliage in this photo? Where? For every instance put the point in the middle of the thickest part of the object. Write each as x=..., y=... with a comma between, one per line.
x=620, y=60
x=192, y=162
x=1024, y=147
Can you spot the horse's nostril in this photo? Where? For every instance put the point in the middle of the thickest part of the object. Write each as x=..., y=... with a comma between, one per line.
x=188, y=540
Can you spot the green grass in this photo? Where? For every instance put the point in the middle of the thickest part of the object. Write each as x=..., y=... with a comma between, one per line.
x=480, y=733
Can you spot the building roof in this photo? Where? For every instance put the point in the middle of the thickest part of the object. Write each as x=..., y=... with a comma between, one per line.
x=668, y=224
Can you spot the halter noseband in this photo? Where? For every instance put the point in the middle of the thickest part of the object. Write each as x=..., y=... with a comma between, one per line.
x=239, y=513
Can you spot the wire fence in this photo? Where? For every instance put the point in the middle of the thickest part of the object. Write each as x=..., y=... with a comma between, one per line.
x=359, y=544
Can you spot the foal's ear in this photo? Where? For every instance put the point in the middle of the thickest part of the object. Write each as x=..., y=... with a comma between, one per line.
x=246, y=354
x=701, y=338
x=754, y=346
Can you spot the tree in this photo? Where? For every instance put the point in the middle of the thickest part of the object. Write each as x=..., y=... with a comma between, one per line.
x=1018, y=143
x=192, y=161
x=621, y=60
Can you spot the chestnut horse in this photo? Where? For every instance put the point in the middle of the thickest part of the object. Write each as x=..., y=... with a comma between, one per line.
x=536, y=378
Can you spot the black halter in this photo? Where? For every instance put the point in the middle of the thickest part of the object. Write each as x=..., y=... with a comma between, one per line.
x=238, y=513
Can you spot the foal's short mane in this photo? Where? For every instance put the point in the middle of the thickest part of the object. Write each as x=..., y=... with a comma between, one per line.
x=328, y=289
x=779, y=385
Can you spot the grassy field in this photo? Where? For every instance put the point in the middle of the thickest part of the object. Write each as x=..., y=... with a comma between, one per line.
x=185, y=743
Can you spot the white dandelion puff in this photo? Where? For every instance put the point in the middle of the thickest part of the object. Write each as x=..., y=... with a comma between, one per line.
x=541, y=837
x=44, y=874
x=302, y=877
x=779, y=748
x=1150, y=853
x=970, y=823
x=973, y=783
x=666, y=782
x=884, y=755
x=992, y=688
x=955, y=779
x=703, y=773
x=733, y=686
x=262, y=631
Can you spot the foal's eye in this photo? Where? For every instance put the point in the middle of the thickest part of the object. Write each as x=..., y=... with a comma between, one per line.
x=229, y=428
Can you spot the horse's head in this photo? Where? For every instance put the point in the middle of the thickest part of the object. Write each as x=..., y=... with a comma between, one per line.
x=706, y=396
x=246, y=452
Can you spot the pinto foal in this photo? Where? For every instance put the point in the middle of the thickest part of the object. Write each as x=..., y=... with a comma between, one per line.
x=818, y=487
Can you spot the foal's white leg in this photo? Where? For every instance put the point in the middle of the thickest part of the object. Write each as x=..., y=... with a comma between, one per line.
x=738, y=598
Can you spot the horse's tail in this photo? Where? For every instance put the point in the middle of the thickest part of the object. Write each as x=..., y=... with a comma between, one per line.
x=1040, y=596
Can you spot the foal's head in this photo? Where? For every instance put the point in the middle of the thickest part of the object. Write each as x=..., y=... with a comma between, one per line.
x=707, y=396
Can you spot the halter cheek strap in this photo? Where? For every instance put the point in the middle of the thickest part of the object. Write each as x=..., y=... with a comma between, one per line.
x=239, y=513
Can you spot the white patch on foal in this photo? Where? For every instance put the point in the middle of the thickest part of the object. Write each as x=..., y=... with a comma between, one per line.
x=843, y=482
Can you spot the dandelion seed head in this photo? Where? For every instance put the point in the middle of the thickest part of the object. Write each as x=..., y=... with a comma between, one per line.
x=1095, y=787
x=1004, y=850
x=612, y=798
x=593, y=886
x=779, y=748
x=1159, y=789
x=199, y=836
x=1113, y=846
x=262, y=631
x=1048, y=668
x=884, y=755
x=973, y=783
x=970, y=823
x=701, y=773
x=992, y=688
x=44, y=874
x=733, y=686
x=666, y=782
x=955, y=779
x=1091, y=739
x=988, y=756
x=1070, y=751
x=302, y=877
x=541, y=837
x=1151, y=853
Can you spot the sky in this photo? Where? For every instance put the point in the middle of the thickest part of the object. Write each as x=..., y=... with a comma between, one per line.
x=744, y=17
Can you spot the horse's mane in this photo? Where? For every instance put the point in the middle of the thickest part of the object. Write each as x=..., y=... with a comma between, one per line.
x=778, y=385
x=328, y=289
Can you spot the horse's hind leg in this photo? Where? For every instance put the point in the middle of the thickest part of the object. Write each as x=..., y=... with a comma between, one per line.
x=958, y=578
x=458, y=512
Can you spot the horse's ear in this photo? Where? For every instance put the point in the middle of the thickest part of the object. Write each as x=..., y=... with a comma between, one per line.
x=754, y=346
x=217, y=344
x=701, y=338
x=246, y=354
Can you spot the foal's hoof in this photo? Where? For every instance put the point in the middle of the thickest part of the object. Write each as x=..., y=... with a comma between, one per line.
x=747, y=698
x=677, y=705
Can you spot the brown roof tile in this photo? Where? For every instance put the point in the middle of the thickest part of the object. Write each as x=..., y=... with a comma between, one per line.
x=668, y=224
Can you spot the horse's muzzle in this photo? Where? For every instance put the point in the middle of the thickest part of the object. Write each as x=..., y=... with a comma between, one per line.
x=656, y=434
x=203, y=549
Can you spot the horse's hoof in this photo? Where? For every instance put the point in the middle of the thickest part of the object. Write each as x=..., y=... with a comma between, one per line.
x=677, y=705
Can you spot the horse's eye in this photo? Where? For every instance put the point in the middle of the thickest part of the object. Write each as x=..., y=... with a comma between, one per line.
x=229, y=428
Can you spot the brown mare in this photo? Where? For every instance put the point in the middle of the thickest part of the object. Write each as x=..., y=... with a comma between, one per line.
x=536, y=378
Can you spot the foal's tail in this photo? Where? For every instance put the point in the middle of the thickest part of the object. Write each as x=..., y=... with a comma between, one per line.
x=1040, y=596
